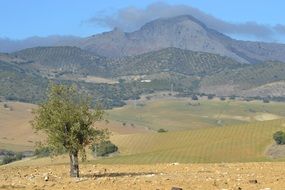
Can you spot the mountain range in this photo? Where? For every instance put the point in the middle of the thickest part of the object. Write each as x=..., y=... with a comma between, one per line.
x=184, y=32
x=179, y=53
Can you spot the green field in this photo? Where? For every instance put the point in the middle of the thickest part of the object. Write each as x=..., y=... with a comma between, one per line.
x=199, y=131
x=240, y=143
x=184, y=114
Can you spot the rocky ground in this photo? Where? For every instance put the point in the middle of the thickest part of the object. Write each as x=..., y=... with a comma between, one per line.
x=236, y=176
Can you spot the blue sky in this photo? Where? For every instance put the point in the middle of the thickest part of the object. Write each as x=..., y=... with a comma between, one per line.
x=24, y=18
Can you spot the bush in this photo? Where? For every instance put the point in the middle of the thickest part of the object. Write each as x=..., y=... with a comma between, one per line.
x=222, y=98
x=104, y=149
x=12, y=158
x=8, y=159
x=279, y=137
x=211, y=96
x=43, y=151
x=194, y=97
x=161, y=131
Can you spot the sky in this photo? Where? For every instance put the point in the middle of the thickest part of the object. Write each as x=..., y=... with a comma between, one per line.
x=262, y=20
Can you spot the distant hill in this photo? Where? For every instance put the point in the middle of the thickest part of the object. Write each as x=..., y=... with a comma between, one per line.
x=178, y=54
x=184, y=71
x=62, y=59
x=18, y=83
x=184, y=32
x=74, y=60
x=263, y=80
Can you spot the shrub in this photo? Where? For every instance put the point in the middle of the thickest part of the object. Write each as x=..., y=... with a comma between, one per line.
x=12, y=158
x=211, y=96
x=161, y=131
x=8, y=159
x=43, y=151
x=279, y=137
x=194, y=97
x=104, y=148
x=222, y=98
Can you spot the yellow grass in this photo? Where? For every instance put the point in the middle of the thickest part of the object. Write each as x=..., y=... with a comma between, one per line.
x=240, y=143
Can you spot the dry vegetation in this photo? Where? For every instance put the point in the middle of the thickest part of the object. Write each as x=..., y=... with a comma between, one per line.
x=244, y=136
x=252, y=176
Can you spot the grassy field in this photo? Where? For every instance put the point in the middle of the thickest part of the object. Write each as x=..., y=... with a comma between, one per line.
x=186, y=114
x=238, y=143
x=199, y=131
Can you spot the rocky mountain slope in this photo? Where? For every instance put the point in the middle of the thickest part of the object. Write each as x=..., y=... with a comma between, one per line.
x=184, y=32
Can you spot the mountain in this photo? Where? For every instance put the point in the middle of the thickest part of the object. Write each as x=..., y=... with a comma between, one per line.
x=8, y=45
x=184, y=32
x=178, y=54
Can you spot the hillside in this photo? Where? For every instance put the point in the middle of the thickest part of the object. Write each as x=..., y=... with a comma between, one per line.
x=246, y=81
x=184, y=32
x=18, y=83
x=172, y=60
x=65, y=59
x=184, y=71
x=147, y=159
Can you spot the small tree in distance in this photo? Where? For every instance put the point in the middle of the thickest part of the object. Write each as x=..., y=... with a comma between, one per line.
x=279, y=137
x=67, y=121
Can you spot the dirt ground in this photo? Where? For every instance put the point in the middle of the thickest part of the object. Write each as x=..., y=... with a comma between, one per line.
x=236, y=176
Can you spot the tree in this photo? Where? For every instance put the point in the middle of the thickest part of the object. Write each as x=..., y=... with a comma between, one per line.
x=67, y=121
x=279, y=137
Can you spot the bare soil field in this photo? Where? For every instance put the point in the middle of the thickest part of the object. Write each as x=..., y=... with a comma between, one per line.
x=235, y=176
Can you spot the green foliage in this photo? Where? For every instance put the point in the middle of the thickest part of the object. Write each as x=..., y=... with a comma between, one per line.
x=21, y=84
x=210, y=96
x=104, y=148
x=12, y=158
x=195, y=97
x=161, y=130
x=247, y=76
x=44, y=151
x=279, y=137
x=67, y=120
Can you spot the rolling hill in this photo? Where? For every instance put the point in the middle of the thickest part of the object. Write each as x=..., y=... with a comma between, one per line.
x=247, y=81
x=184, y=71
x=18, y=83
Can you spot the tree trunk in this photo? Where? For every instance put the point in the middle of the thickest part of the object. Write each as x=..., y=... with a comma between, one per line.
x=74, y=168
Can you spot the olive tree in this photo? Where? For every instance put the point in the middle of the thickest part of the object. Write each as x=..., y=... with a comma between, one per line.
x=67, y=121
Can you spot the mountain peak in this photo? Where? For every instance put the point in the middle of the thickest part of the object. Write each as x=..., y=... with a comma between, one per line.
x=184, y=32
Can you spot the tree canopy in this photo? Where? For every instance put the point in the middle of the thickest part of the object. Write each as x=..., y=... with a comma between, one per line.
x=67, y=121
